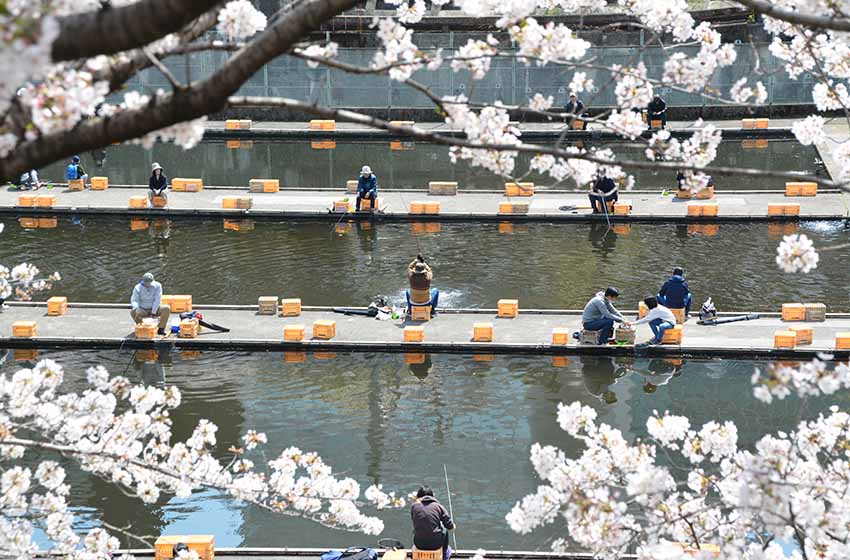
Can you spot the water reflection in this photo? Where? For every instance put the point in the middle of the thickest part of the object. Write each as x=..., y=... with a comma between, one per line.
x=397, y=419
x=236, y=262
x=302, y=163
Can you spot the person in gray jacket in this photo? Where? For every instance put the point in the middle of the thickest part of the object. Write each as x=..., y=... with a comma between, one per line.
x=600, y=314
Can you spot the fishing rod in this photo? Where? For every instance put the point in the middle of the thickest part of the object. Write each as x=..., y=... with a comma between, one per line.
x=451, y=513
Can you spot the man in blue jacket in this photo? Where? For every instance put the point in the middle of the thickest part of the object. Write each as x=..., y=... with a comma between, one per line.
x=367, y=186
x=675, y=293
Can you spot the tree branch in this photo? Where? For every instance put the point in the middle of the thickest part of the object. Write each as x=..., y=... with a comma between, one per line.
x=121, y=29
x=818, y=22
x=175, y=83
x=203, y=98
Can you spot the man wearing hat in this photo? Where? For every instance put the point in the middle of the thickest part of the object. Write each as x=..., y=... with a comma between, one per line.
x=420, y=292
x=158, y=182
x=367, y=186
x=75, y=171
x=574, y=108
x=146, y=302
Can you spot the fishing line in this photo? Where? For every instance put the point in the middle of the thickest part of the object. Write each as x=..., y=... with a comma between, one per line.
x=451, y=513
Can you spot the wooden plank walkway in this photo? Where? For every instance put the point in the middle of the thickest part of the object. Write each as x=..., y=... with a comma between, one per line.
x=110, y=326
x=470, y=206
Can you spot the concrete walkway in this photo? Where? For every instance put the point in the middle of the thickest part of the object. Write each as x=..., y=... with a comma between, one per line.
x=477, y=206
x=779, y=128
x=110, y=326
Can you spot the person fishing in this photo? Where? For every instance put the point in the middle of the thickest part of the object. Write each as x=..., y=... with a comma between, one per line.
x=29, y=181
x=604, y=191
x=657, y=111
x=420, y=292
x=675, y=293
x=75, y=170
x=146, y=301
x=431, y=523
x=157, y=183
x=367, y=187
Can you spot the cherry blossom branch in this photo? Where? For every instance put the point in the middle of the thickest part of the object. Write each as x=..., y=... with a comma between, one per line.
x=123, y=28
x=819, y=22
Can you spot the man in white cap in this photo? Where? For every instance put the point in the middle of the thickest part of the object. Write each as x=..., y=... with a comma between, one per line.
x=146, y=302
x=367, y=186
x=158, y=182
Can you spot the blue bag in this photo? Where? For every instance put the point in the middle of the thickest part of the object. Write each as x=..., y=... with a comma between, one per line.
x=71, y=172
x=353, y=553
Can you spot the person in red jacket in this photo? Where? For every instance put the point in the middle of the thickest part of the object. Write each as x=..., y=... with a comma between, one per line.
x=431, y=522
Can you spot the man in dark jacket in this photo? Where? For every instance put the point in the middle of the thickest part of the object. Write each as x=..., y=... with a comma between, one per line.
x=367, y=186
x=604, y=191
x=675, y=293
x=431, y=522
x=657, y=110
x=574, y=108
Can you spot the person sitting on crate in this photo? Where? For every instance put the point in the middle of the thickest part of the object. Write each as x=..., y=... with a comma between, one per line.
x=657, y=111
x=157, y=183
x=675, y=292
x=431, y=523
x=574, y=109
x=75, y=170
x=604, y=190
x=600, y=314
x=367, y=187
x=660, y=319
x=146, y=301
x=420, y=292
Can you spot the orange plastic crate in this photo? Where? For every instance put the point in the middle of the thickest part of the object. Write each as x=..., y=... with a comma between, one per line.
x=99, y=183
x=138, y=202
x=159, y=201
x=178, y=303
x=417, y=207
x=322, y=124
x=231, y=124
x=427, y=554
x=290, y=307
x=420, y=312
x=793, y=312
x=76, y=185
x=842, y=341
x=784, y=339
x=482, y=332
x=182, y=184
x=432, y=208
x=204, y=545
x=815, y=311
x=369, y=204
x=342, y=206
x=24, y=329
x=679, y=314
x=519, y=189
x=324, y=329
x=264, y=185
x=293, y=333
x=351, y=187
x=508, y=308
x=705, y=194
x=45, y=200
x=26, y=200
x=145, y=331
x=560, y=336
x=673, y=336
x=622, y=209
x=188, y=328
x=57, y=305
x=414, y=333
x=805, y=334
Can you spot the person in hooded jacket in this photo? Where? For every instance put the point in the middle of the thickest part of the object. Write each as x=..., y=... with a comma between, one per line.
x=675, y=293
x=431, y=522
x=158, y=182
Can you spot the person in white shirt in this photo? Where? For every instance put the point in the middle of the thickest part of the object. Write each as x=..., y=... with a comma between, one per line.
x=660, y=319
x=146, y=301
